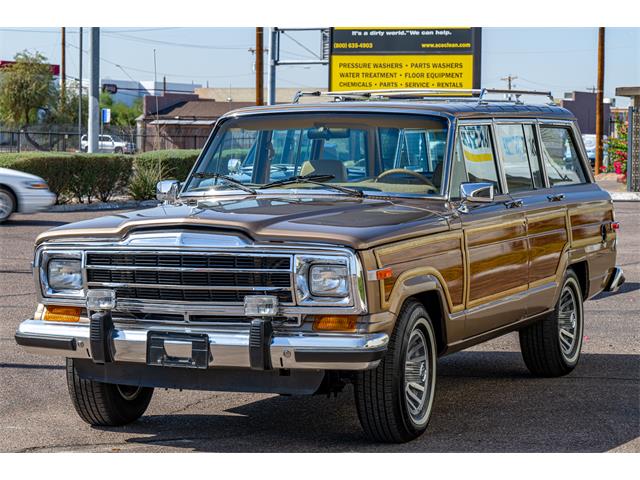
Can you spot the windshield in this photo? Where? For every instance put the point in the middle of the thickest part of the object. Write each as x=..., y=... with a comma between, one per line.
x=397, y=154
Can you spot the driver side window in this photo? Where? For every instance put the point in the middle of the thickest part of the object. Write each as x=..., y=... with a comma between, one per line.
x=473, y=159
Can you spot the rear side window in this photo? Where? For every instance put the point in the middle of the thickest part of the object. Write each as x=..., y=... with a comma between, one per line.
x=515, y=161
x=473, y=161
x=560, y=156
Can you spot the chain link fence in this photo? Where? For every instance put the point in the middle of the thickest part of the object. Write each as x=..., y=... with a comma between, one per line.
x=65, y=138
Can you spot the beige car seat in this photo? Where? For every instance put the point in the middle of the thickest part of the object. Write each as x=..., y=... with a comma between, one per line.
x=325, y=167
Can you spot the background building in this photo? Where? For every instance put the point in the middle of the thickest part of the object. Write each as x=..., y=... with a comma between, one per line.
x=583, y=106
x=130, y=90
x=179, y=120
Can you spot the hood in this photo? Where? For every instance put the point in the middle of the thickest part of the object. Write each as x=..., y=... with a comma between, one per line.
x=337, y=220
x=9, y=174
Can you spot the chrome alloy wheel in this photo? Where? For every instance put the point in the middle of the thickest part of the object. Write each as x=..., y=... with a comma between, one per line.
x=419, y=374
x=6, y=205
x=569, y=323
x=129, y=392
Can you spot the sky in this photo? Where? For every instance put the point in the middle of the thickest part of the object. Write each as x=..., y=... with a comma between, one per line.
x=556, y=59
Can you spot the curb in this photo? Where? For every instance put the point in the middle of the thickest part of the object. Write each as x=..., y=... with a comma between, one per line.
x=625, y=196
x=96, y=207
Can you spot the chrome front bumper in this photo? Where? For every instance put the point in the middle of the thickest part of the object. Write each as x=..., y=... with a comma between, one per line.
x=228, y=348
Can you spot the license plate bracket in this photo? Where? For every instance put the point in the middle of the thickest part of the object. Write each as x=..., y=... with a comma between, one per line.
x=174, y=349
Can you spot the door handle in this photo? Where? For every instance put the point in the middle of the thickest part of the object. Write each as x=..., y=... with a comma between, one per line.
x=555, y=197
x=514, y=203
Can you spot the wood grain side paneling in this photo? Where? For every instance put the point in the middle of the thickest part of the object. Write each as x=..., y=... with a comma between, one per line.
x=547, y=238
x=441, y=253
x=497, y=269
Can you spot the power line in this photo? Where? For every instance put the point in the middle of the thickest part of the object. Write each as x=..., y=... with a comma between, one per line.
x=115, y=64
x=151, y=41
x=284, y=32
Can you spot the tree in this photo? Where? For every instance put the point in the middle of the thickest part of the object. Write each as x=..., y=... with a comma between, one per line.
x=25, y=87
x=122, y=115
x=64, y=108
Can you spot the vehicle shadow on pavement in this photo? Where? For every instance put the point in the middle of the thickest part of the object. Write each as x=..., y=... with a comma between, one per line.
x=26, y=222
x=486, y=402
x=626, y=287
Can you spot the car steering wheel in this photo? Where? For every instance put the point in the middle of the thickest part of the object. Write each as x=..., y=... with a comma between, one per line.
x=404, y=171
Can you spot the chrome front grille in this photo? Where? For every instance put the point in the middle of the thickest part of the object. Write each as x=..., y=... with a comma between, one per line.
x=217, y=278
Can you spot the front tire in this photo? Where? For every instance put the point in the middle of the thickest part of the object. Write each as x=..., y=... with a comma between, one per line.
x=394, y=400
x=551, y=346
x=106, y=404
x=7, y=204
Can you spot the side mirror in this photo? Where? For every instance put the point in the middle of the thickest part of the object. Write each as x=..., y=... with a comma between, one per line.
x=167, y=190
x=234, y=165
x=481, y=192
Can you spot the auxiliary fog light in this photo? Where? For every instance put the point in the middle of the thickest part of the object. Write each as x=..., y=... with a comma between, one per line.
x=101, y=300
x=260, y=306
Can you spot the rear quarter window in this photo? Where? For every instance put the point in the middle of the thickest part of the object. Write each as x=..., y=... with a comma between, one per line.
x=560, y=156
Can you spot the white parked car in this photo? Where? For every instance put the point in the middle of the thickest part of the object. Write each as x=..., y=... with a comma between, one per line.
x=109, y=144
x=22, y=192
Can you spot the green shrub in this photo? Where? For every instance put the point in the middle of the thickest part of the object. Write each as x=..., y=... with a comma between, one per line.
x=111, y=175
x=175, y=163
x=86, y=176
x=146, y=176
x=55, y=169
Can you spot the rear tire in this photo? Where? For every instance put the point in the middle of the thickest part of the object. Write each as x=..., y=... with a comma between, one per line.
x=551, y=346
x=394, y=400
x=7, y=204
x=106, y=404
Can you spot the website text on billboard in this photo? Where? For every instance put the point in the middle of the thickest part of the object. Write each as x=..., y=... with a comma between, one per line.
x=404, y=58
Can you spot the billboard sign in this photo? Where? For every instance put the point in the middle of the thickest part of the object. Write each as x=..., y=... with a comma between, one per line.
x=404, y=58
x=55, y=69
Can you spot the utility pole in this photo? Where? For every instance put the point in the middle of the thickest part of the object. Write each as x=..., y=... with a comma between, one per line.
x=63, y=65
x=509, y=78
x=599, y=99
x=259, y=66
x=80, y=90
x=94, y=89
x=273, y=59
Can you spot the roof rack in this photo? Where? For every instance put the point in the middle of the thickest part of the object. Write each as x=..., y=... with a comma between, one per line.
x=431, y=94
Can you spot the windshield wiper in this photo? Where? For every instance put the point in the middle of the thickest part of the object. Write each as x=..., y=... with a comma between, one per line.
x=314, y=180
x=226, y=178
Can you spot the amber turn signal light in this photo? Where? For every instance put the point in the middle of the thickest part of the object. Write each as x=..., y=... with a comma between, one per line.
x=62, y=314
x=341, y=323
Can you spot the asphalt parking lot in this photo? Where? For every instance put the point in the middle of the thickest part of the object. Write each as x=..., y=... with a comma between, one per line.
x=486, y=399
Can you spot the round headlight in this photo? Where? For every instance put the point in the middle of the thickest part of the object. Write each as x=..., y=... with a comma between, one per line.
x=64, y=274
x=329, y=280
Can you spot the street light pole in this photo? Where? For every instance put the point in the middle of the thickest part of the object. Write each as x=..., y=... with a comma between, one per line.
x=80, y=91
x=273, y=57
x=259, y=66
x=63, y=65
x=94, y=89
x=599, y=99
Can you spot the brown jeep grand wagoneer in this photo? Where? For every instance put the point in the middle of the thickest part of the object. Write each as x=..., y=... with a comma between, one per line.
x=348, y=241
